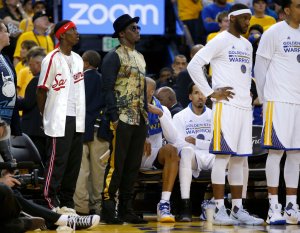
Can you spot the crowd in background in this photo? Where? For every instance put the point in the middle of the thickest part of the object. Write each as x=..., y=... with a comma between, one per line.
x=32, y=38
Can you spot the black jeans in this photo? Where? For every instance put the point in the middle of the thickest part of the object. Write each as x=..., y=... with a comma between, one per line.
x=125, y=160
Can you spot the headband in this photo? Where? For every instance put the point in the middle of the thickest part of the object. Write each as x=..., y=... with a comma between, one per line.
x=240, y=12
x=64, y=28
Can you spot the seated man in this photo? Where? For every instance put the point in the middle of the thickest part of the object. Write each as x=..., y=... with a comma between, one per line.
x=167, y=97
x=157, y=155
x=193, y=125
x=12, y=203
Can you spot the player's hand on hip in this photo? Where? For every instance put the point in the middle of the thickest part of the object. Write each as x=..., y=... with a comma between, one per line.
x=222, y=93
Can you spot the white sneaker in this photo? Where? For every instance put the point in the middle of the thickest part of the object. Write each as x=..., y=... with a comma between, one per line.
x=221, y=217
x=56, y=209
x=291, y=213
x=274, y=215
x=164, y=212
x=67, y=211
x=243, y=217
x=83, y=222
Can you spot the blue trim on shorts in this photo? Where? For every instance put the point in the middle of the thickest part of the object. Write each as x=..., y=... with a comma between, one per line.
x=276, y=144
x=225, y=149
x=242, y=155
x=222, y=152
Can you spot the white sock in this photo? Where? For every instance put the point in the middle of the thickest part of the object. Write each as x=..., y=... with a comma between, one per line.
x=292, y=199
x=165, y=196
x=219, y=203
x=273, y=199
x=237, y=202
x=62, y=221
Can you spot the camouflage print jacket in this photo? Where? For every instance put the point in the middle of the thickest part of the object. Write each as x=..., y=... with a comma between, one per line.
x=123, y=71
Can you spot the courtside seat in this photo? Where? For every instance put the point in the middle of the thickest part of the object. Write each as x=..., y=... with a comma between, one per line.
x=24, y=150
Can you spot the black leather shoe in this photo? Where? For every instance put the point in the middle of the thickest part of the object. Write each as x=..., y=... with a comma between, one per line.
x=131, y=217
x=109, y=213
x=127, y=214
x=23, y=224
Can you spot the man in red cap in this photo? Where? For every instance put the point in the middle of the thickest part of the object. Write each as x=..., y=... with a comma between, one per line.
x=123, y=71
x=61, y=100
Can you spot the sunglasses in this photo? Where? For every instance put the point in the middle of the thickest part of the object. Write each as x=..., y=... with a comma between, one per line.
x=135, y=28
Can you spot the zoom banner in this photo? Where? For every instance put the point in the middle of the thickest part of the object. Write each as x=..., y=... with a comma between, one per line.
x=97, y=16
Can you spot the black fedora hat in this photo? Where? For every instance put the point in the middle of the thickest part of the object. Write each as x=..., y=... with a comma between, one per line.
x=122, y=22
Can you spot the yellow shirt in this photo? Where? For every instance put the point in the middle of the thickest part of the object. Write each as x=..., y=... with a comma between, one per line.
x=23, y=78
x=19, y=66
x=43, y=41
x=26, y=25
x=187, y=9
x=211, y=36
x=265, y=22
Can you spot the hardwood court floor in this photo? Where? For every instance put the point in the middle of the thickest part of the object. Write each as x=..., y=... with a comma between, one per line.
x=197, y=226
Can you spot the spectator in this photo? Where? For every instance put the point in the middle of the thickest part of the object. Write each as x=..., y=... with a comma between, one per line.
x=24, y=76
x=223, y=21
x=179, y=64
x=229, y=73
x=61, y=101
x=41, y=24
x=123, y=71
x=259, y=17
x=184, y=80
x=210, y=12
x=277, y=78
x=189, y=11
x=27, y=6
x=193, y=125
x=87, y=195
x=26, y=24
x=32, y=123
x=9, y=117
x=165, y=78
x=167, y=97
x=12, y=203
x=25, y=46
x=12, y=13
x=159, y=156
x=255, y=33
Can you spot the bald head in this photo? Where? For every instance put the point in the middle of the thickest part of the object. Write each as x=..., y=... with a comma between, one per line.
x=166, y=96
x=151, y=86
x=195, y=49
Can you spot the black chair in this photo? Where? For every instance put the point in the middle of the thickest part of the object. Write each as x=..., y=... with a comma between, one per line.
x=24, y=150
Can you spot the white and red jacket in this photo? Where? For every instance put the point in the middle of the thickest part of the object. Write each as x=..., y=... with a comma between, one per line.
x=56, y=76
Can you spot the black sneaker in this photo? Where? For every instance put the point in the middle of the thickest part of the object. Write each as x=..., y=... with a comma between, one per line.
x=186, y=212
x=83, y=222
x=109, y=213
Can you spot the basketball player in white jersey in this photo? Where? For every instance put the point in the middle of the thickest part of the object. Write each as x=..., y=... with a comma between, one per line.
x=230, y=56
x=194, y=135
x=277, y=71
